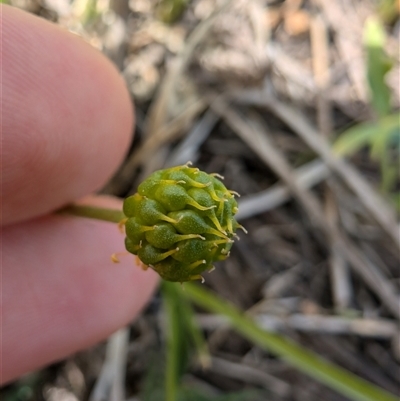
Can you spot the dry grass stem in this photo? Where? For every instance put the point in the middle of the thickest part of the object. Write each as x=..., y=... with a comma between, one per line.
x=307, y=176
x=158, y=112
x=373, y=202
x=110, y=384
x=334, y=325
x=249, y=374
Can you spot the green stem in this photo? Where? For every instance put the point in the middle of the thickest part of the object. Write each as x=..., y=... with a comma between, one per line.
x=91, y=212
x=173, y=339
x=308, y=362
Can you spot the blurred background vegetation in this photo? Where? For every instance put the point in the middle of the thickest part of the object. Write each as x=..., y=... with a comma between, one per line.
x=296, y=103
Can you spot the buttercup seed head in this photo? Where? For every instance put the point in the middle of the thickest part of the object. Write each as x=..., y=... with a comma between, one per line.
x=180, y=222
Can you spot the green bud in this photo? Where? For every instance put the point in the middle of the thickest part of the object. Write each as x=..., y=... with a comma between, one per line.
x=180, y=222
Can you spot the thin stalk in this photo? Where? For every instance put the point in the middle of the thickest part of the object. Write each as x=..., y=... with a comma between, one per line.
x=91, y=212
x=173, y=338
x=335, y=377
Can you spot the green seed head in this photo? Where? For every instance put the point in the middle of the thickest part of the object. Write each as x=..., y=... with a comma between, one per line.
x=180, y=222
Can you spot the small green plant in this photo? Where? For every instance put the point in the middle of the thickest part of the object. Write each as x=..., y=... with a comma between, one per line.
x=180, y=222
x=381, y=136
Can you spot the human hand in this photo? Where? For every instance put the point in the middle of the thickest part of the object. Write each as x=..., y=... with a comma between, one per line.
x=66, y=124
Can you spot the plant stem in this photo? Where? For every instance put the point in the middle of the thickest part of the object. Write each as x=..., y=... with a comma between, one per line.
x=173, y=340
x=91, y=212
x=337, y=378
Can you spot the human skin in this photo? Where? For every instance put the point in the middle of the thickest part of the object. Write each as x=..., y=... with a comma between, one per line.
x=66, y=125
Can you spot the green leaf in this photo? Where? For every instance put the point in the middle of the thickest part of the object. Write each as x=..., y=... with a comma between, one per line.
x=188, y=324
x=378, y=65
x=176, y=343
x=383, y=137
x=361, y=135
x=308, y=362
x=388, y=135
x=183, y=335
x=355, y=138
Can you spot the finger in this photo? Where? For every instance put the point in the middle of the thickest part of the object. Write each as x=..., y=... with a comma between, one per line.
x=67, y=117
x=61, y=292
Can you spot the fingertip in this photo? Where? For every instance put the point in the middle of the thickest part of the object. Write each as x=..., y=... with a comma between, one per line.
x=62, y=293
x=67, y=117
